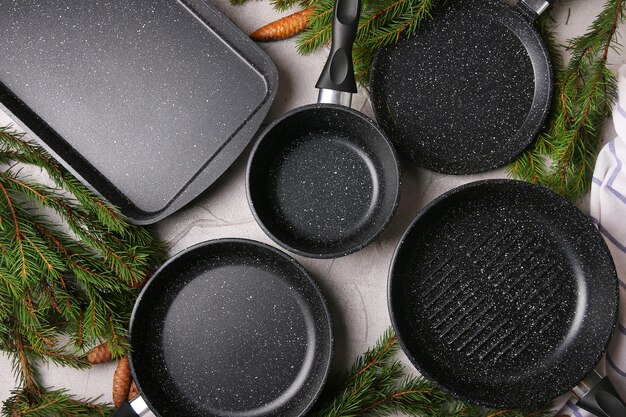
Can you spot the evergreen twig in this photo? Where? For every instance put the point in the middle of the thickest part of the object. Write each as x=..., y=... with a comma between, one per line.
x=282, y=5
x=55, y=403
x=377, y=385
x=564, y=154
x=382, y=22
x=65, y=285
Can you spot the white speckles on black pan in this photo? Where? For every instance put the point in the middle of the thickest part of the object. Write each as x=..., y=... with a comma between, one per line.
x=503, y=293
x=324, y=181
x=148, y=102
x=230, y=328
x=469, y=90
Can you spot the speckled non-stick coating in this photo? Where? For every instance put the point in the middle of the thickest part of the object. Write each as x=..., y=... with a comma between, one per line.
x=323, y=181
x=230, y=328
x=468, y=91
x=503, y=293
x=147, y=102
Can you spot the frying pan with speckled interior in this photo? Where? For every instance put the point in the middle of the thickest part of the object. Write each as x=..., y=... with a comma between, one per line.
x=469, y=90
x=505, y=294
x=324, y=181
x=229, y=328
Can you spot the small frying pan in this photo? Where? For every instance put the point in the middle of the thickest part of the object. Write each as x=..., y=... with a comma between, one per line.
x=229, y=328
x=469, y=90
x=504, y=294
x=323, y=181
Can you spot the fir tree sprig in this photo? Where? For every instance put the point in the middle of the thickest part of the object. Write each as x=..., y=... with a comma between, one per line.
x=68, y=265
x=33, y=400
x=378, y=385
x=319, y=30
x=54, y=403
x=564, y=154
x=282, y=5
x=382, y=22
x=238, y=2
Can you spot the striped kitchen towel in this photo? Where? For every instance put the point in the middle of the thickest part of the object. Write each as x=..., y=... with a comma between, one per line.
x=608, y=212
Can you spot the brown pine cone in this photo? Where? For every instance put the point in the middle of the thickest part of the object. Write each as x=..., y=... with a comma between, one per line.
x=99, y=354
x=283, y=28
x=134, y=392
x=121, y=382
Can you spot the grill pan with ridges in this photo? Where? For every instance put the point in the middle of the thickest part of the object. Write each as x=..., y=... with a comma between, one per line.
x=503, y=293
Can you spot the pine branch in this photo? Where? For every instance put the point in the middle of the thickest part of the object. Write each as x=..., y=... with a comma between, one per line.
x=14, y=148
x=384, y=26
x=377, y=385
x=58, y=403
x=564, y=154
x=282, y=5
x=319, y=31
x=23, y=365
x=382, y=22
x=67, y=279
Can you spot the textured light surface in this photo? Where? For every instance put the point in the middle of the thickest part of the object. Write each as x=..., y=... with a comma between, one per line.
x=354, y=285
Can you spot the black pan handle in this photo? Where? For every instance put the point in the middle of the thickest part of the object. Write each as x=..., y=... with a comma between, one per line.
x=338, y=73
x=138, y=408
x=603, y=400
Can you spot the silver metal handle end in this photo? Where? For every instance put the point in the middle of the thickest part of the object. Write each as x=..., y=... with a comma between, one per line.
x=327, y=96
x=141, y=408
x=537, y=6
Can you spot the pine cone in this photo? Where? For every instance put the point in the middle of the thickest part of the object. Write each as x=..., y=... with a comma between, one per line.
x=134, y=392
x=283, y=28
x=121, y=382
x=16, y=413
x=100, y=354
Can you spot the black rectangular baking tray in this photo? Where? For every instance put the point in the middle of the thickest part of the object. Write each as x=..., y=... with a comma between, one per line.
x=147, y=102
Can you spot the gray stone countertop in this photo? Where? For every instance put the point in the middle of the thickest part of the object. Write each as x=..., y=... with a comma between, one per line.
x=355, y=285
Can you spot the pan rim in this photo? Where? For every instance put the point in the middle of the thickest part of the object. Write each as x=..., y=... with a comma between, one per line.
x=326, y=316
x=396, y=192
x=455, y=167
x=394, y=321
x=208, y=171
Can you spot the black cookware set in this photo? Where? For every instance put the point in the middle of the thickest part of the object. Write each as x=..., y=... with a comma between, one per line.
x=501, y=292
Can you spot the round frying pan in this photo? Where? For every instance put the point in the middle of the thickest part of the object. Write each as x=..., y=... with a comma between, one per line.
x=324, y=181
x=229, y=328
x=503, y=293
x=469, y=90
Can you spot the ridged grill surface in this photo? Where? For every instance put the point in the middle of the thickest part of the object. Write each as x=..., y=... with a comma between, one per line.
x=492, y=293
x=503, y=293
